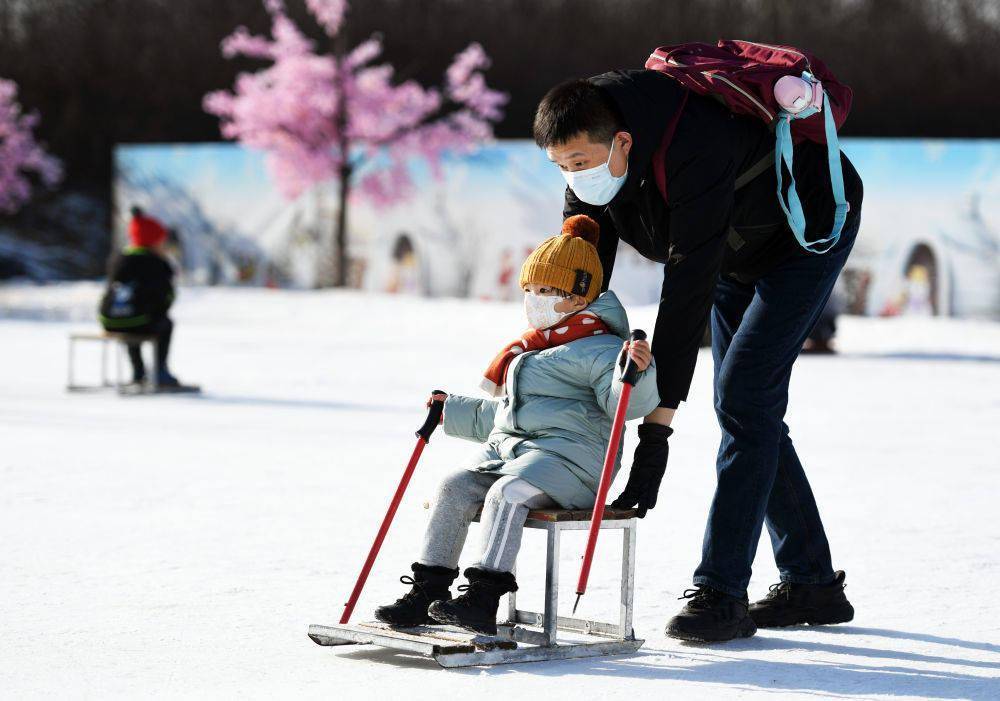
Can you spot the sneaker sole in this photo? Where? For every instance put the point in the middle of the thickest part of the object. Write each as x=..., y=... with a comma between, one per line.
x=843, y=614
x=746, y=629
x=448, y=619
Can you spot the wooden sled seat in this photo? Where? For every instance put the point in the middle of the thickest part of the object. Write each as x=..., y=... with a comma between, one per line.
x=570, y=515
x=560, y=515
x=120, y=336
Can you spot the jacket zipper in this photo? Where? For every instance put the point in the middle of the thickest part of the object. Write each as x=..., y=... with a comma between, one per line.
x=642, y=220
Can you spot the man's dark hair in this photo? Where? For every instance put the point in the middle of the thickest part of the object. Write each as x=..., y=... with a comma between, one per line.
x=137, y=211
x=573, y=107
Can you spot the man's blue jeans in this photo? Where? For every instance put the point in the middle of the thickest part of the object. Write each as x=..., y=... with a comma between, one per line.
x=757, y=332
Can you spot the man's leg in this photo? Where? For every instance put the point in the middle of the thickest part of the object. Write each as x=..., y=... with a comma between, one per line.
x=801, y=550
x=751, y=398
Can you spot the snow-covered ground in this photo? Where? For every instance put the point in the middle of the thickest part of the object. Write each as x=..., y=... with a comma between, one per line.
x=172, y=546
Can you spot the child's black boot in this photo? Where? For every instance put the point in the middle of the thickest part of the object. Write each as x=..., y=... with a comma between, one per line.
x=429, y=584
x=476, y=608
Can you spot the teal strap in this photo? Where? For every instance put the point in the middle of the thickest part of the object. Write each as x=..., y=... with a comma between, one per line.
x=783, y=153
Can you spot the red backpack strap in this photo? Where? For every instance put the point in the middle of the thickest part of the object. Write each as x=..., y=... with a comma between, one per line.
x=660, y=155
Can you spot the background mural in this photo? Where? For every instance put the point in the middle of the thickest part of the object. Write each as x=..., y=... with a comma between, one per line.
x=930, y=242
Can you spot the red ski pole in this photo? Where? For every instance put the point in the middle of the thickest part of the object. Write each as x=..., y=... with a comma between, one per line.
x=423, y=438
x=629, y=377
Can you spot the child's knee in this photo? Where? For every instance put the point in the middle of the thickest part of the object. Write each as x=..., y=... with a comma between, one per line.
x=461, y=488
x=511, y=490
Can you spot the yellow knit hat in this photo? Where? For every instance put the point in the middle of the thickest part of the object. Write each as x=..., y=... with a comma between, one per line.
x=569, y=261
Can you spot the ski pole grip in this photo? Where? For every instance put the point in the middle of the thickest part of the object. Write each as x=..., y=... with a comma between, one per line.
x=631, y=374
x=433, y=418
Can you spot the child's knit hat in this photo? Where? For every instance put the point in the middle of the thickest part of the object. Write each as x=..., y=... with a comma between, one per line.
x=569, y=261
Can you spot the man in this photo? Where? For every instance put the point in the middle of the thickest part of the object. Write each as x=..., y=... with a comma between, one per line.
x=139, y=294
x=728, y=253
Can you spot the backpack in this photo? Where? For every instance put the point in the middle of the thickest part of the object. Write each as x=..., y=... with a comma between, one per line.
x=745, y=76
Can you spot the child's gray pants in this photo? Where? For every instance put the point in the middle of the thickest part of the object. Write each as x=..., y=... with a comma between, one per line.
x=506, y=501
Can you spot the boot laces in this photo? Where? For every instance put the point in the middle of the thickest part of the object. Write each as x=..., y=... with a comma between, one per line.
x=474, y=591
x=417, y=590
x=701, y=597
x=781, y=589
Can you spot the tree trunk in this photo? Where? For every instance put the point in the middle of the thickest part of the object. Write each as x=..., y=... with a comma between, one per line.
x=341, y=265
x=341, y=262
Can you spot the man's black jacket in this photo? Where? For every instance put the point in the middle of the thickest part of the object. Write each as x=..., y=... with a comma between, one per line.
x=691, y=233
x=140, y=290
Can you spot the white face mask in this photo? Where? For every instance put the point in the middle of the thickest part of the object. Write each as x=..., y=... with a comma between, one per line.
x=596, y=185
x=541, y=310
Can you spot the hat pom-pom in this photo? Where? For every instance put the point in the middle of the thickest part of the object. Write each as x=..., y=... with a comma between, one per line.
x=583, y=227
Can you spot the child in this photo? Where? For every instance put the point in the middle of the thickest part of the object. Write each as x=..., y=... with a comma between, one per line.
x=543, y=434
x=139, y=294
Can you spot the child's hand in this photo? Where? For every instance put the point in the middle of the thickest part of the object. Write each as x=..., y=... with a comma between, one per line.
x=639, y=352
x=437, y=397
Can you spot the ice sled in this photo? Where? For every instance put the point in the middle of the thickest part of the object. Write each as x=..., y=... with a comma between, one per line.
x=117, y=341
x=526, y=636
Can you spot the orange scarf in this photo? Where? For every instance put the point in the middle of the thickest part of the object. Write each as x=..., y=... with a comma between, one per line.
x=577, y=326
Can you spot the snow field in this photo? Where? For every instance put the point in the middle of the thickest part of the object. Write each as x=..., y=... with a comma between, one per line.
x=180, y=547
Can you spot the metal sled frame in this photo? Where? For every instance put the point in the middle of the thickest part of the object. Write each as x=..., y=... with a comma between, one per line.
x=118, y=341
x=527, y=636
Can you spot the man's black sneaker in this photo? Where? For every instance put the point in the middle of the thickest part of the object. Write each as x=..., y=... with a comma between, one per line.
x=711, y=616
x=790, y=604
x=476, y=609
x=429, y=584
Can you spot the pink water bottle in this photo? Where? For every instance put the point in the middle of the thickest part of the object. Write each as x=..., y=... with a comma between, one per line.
x=795, y=94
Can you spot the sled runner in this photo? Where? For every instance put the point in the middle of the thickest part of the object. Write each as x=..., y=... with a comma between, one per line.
x=526, y=636
x=135, y=390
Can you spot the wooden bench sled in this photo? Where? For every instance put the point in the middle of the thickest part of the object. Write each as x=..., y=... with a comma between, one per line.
x=526, y=636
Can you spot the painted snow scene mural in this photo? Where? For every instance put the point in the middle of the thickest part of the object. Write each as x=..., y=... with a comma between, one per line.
x=929, y=245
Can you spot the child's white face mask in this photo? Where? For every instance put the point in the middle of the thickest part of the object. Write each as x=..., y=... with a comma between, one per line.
x=541, y=310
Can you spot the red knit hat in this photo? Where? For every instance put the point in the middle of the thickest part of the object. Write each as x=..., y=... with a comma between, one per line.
x=146, y=232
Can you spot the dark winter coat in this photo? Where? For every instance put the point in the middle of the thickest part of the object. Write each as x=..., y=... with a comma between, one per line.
x=691, y=233
x=140, y=290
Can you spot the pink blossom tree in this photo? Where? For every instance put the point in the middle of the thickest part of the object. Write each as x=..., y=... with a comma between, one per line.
x=338, y=116
x=22, y=159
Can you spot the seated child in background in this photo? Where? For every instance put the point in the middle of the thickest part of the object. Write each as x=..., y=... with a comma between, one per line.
x=544, y=433
x=139, y=294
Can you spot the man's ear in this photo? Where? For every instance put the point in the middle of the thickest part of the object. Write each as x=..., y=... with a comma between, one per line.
x=624, y=141
x=578, y=302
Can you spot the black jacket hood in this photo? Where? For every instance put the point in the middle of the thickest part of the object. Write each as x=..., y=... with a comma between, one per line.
x=647, y=102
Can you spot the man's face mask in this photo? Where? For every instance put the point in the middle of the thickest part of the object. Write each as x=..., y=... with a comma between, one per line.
x=596, y=185
x=541, y=310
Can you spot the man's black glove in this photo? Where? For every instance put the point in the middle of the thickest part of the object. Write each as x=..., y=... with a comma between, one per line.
x=648, y=466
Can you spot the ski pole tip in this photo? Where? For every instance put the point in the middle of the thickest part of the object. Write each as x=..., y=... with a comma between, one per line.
x=577, y=602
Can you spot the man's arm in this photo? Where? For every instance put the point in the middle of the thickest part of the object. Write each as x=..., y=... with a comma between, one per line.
x=701, y=204
x=607, y=244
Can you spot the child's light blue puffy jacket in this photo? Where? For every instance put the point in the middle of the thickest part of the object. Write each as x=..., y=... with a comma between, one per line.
x=552, y=426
